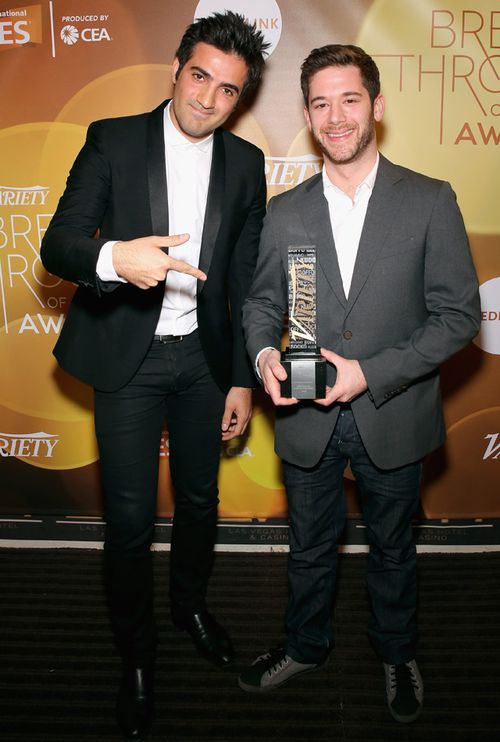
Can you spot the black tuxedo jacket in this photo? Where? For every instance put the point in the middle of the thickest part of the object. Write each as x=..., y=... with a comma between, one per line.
x=117, y=190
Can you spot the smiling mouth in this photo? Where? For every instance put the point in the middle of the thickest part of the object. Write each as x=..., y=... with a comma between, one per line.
x=338, y=136
x=201, y=111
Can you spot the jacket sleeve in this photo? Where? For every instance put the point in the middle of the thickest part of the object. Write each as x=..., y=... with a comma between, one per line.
x=451, y=300
x=265, y=307
x=241, y=271
x=70, y=247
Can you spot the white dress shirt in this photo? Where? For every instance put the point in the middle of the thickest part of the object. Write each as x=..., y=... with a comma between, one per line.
x=188, y=172
x=347, y=217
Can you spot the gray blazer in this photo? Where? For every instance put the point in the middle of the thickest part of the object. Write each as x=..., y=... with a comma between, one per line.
x=413, y=303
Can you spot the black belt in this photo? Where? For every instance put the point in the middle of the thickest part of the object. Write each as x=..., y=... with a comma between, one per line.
x=169, y=338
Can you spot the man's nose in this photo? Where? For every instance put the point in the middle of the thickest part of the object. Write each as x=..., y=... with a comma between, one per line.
x=337, y=114
x=206, y=97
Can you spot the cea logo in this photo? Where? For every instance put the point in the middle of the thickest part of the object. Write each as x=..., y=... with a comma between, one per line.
x=70, y=34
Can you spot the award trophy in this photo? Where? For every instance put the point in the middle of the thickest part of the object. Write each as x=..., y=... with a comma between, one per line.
x=305, y=366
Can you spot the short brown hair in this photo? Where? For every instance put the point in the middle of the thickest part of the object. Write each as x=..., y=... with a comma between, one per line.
x=340, y=55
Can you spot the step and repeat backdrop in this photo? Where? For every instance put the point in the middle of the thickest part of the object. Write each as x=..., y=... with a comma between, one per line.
x=65, y=63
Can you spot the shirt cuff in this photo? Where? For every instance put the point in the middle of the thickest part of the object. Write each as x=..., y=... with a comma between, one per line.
x=268, y=347
x=104, y=268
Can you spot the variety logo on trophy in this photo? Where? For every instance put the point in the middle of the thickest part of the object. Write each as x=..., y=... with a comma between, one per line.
x=305, y=366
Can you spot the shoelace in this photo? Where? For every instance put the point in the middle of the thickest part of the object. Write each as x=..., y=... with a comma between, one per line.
x=278, y=657
x=393, y=673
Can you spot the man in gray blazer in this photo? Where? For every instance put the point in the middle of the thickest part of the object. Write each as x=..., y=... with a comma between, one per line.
x=397, y=295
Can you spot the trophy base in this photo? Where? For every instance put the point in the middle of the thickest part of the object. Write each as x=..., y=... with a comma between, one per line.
x=306, y=374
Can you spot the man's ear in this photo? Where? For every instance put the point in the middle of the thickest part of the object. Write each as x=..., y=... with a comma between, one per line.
x=378, y=107
x=307, y=118
x=175, y=69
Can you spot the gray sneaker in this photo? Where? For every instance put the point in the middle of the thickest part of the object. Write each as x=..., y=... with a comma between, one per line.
x=405, y=690
x=271, y=670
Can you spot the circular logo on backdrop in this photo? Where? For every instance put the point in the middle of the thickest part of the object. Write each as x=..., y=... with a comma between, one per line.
x=264, y=13
x=489, y=335
x=70, y=35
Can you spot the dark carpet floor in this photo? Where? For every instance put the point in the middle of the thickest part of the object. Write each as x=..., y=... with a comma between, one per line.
x=58, y=668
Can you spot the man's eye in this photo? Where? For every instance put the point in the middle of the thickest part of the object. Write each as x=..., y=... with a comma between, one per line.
x=197, y=76
x=228, y=91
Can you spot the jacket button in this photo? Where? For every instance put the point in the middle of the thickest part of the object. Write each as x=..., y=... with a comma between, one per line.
x=347, y=335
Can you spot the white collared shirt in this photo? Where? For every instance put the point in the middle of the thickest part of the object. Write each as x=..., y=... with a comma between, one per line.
x=188, y=172
x=347, y=217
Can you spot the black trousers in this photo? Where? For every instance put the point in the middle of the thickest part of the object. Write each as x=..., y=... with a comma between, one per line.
x=173, y=382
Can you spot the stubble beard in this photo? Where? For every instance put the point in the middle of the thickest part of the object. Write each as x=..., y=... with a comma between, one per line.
x=344, y=159
x=194, y=128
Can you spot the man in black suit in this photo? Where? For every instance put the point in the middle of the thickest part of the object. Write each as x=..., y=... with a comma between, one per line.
x=158, y=335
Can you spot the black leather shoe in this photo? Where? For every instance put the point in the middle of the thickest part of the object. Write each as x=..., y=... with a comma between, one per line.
x=210, y=638
x=134, y=705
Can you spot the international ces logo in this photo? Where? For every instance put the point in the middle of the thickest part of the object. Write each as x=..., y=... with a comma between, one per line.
x=20, y=26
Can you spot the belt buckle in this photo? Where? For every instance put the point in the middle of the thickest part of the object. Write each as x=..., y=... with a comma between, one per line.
x=169, y=338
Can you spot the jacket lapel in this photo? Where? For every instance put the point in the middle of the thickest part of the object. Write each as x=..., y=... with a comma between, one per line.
x=215, y=198
x=316, y=219
x=157, y=178
x=383, y=206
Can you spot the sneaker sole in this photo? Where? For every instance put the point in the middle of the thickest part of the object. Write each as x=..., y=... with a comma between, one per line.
x=405, y=719
x=275, y=686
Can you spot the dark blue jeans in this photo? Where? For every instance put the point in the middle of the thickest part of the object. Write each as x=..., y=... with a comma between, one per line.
x=173, y=382
x=317, y=512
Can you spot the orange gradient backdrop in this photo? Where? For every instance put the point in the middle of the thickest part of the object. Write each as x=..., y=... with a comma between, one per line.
x=440, y=69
